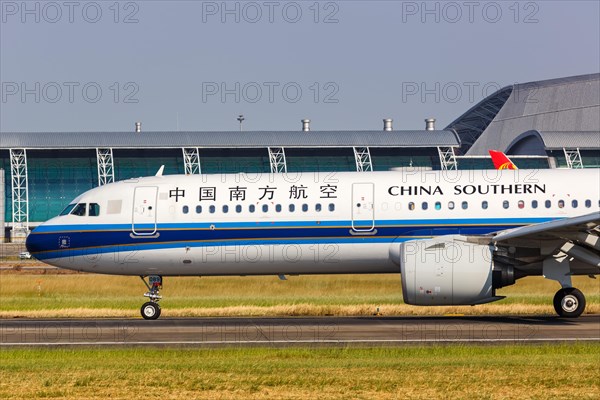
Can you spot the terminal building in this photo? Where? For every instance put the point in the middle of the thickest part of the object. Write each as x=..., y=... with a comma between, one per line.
x=558, y=126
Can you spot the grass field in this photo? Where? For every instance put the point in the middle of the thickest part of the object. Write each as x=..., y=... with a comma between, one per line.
x=89, y=295
x=454, y=372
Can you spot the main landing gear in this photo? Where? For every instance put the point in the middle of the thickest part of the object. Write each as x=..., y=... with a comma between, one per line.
x=151, y=309
x=569, y=302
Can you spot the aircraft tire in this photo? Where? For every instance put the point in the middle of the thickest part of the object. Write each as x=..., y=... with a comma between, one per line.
x=569, y=302
x=150, y=310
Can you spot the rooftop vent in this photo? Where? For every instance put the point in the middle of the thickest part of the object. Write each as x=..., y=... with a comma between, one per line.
x=138, y=127
x=430, y=124
x=306, y=125
x=387, y=124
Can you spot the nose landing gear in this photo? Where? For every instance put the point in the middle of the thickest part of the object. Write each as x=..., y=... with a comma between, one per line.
x=151, y=309
x=569, y=302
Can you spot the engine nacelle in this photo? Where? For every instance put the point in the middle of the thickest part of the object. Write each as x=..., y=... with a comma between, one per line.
x=449, y=270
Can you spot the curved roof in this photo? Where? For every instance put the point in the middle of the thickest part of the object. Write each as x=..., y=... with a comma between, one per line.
x=570, y=104
x=227, y=139
x=537, y=143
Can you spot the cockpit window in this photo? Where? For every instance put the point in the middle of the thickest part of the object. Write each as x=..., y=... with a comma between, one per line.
x=68, y=209
x=94, y=210
x=79, y=210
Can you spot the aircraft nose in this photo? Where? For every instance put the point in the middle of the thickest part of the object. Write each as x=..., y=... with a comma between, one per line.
x=33, y=243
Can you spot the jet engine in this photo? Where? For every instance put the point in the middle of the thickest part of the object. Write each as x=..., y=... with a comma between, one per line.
x=451, y=270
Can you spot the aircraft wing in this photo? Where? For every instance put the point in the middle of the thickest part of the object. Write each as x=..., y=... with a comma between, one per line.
x=576, y=237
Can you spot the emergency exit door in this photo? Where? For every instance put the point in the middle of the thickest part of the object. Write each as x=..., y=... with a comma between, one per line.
x=363, y=211
x=144, y=210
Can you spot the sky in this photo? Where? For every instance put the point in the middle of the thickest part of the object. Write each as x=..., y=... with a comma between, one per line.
x=197, y=65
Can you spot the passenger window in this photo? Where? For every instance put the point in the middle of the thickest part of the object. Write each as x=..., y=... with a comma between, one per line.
x=534, y=204
x=561, y=204
x=484, y=205
x=411, y=206
x=278, y=207
x=318, y=207
x=438, y=205
x=574, y=204
x=94, y=210
x=79, y=210
x=225, y=209
x=465, y=205
x=424, y=205
x=521, y=204
x=265, y=208
x=588, y=203
x=238, y=209
x=292, y=208
x=212, y=209
x=305, y=207
x=547, y=203
x=68, y=209
x=185, y=209
x=198, y=209
x=251, y=208
x=505, y=204
x=450, y=205
x=331, y=207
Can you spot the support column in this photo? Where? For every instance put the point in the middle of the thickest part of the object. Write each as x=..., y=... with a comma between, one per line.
x=19, y=194
x=573, y=157
x=362, y=157
x=191, y=160
x=447, y=158
x=277, y=159
x=106, y=171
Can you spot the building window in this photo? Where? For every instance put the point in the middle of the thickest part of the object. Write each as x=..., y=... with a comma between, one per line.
x=534, y=203
x=521, y=204
x=185, y=209
x=450, y=205
x=198, y=209
x=484, y=205
x=465, y=205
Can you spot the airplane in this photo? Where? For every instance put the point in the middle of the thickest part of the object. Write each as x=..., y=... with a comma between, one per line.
x=501, y=160
x=455, y=237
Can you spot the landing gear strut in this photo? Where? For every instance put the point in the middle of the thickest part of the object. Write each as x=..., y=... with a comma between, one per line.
x=151, y=309
x=569, y=302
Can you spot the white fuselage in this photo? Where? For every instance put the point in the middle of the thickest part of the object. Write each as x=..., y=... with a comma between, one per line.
x=304, y=223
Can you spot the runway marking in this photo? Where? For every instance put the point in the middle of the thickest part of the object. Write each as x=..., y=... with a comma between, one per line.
x=216, y=342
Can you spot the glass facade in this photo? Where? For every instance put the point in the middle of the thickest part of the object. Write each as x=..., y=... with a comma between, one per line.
x=320, y=160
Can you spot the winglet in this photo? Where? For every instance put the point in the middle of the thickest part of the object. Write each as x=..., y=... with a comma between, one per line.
x=160, y=170
x=501, y=161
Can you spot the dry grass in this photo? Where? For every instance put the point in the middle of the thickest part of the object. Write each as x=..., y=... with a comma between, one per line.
x=456, y=372
x=96, y=296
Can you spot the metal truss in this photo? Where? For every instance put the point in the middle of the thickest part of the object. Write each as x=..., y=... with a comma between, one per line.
x=447, y=158
x=277, y=159
x=362, y=156
x=20, y=196
x=191, y=159
x=106, y=170
x=573, y=157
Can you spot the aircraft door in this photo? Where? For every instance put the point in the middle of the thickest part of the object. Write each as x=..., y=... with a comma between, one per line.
x=144, y=210
x=363, y=210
